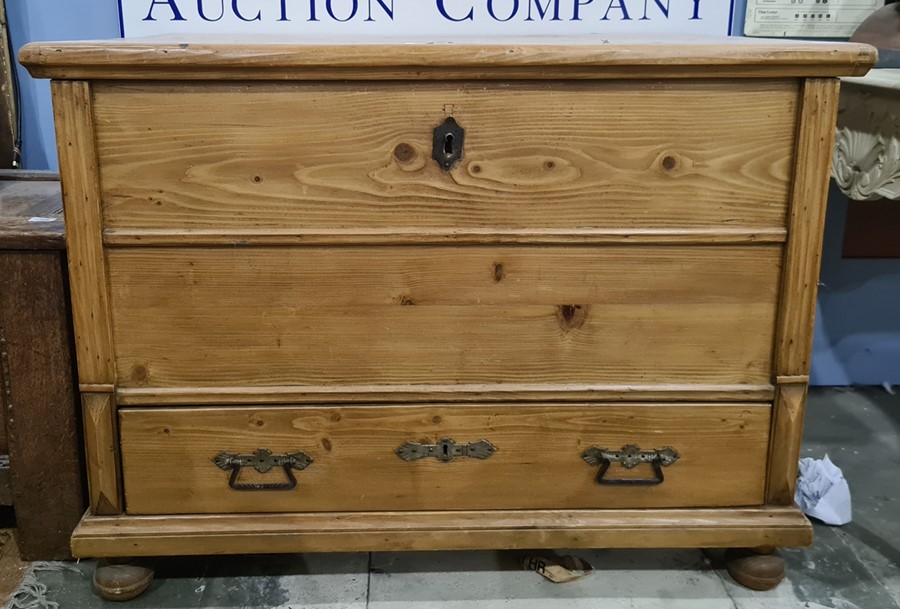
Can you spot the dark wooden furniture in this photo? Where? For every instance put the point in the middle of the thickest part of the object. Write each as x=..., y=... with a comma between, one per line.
x=39, y=429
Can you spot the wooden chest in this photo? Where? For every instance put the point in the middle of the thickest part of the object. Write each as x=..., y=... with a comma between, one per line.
x=442, y=296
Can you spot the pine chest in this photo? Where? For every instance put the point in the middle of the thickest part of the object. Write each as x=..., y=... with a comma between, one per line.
x=446, y=296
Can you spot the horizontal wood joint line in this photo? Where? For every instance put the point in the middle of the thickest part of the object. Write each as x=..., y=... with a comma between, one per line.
x=392, y=236
x=96, y=387
x=323, y=73
x=442, y=393
x=33, y=240
x=792, y=379
x=431, y=520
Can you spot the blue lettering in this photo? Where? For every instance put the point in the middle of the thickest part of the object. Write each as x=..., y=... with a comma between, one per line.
x=542, y=10
x=203, y=15
x=515, y=9
x=696, y=9
x=388, y=11
x=578, y=5
x=469, y=17
x=283, y=11
x=312, y=10
x=176, y=15
x=237, y=13
x=352, y=12
x=621, y=6
x=659, y=3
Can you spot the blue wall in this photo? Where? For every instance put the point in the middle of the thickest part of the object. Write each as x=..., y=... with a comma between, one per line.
x=31, y=20
x=858, y=322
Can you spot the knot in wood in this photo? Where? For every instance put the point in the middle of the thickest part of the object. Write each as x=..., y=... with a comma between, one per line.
x=404, y=153
x=571, y=317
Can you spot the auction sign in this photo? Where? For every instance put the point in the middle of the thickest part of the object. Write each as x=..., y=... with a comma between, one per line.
x=439, y=19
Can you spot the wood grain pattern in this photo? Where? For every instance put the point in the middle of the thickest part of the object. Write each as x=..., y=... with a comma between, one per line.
x=101, y=445
x=5, y=395
x=97, y=388
x=440, y=344
x=167, y=457
x=6, y=493
x=787, y=431
x=454, y=236
x=807, y=221
x=800, y=281
x=22, y=201
x=74, y=118
x=6, y=497
x=466, y=315
x=38, y=397
x=349, y=156
x=430, y=276
x=199, y=57
x=457, y=392
x=393, y=531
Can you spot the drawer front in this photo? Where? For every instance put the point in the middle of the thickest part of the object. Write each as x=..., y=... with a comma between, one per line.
x=322, y=316
x=670, y=154
x=168, y=457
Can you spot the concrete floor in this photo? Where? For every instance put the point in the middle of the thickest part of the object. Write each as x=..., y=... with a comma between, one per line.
x=852, y=567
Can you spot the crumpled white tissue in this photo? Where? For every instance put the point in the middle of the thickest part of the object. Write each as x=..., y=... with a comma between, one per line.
x=822, y=491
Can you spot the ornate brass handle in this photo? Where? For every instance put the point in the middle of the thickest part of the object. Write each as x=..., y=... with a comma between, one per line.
x=446, y=450
x=630, y=456
x=262, y=460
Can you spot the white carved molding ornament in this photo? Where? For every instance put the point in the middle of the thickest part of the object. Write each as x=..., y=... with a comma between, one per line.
x=866, y=163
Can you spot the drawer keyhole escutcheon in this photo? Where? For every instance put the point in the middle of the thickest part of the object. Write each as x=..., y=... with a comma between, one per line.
x=262, y=460
x=446, y=450
x=448, y=141
x=630, y=457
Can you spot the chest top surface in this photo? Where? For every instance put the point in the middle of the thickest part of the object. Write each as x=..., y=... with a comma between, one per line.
x=555, y=58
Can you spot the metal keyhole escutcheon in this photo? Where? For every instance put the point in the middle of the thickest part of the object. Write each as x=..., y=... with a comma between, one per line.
x=447, y=149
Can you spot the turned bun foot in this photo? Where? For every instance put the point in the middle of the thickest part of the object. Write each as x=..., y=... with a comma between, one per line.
x=757, y=569
x=121, y=579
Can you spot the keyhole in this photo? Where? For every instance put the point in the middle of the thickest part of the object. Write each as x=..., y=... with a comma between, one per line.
x=446, y=449
x=448, y=143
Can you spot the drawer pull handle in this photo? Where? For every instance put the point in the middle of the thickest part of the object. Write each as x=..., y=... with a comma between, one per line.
x=446, y=450
x=630, y=456
x=448, y=143
x=262, y=460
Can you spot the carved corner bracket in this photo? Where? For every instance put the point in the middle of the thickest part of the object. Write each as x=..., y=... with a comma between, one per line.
x=866, y=163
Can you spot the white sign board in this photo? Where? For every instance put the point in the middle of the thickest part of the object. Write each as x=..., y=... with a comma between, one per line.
x=396, y=19
x=807, y=18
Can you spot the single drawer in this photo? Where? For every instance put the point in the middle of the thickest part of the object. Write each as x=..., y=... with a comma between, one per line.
x=491, y=316
x=205, y=460
x=553, y=155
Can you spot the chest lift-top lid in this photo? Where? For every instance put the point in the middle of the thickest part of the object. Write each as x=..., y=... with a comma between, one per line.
x=584, y=57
